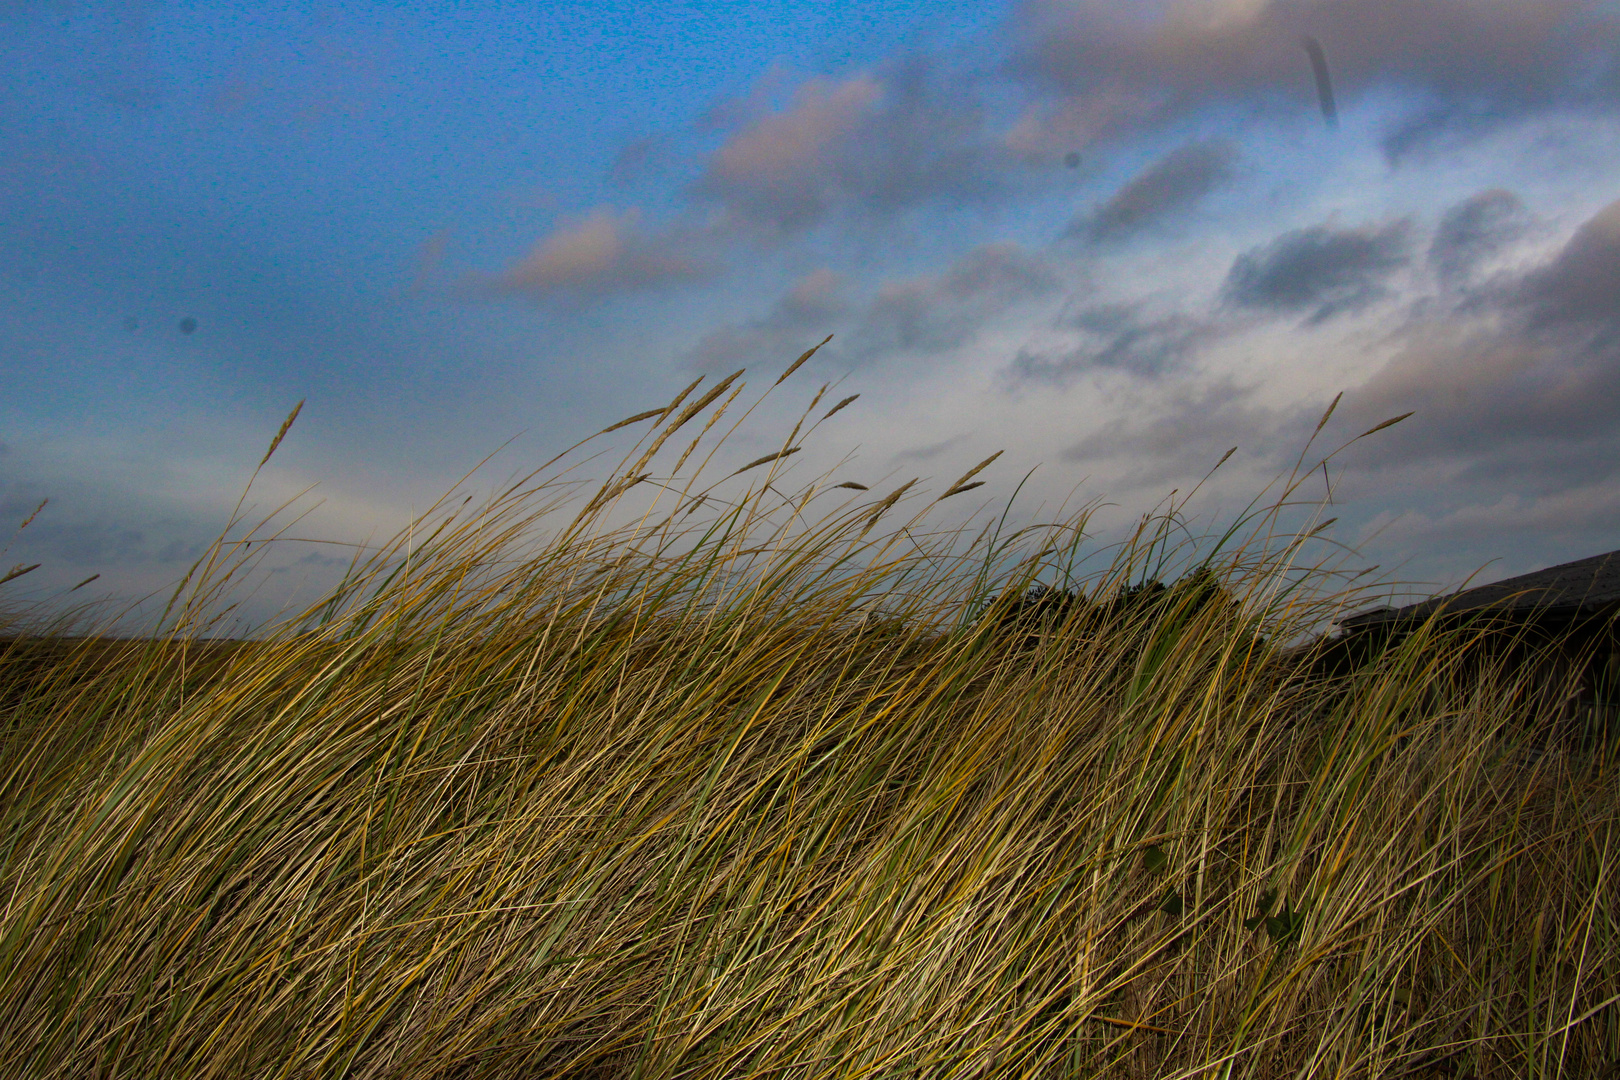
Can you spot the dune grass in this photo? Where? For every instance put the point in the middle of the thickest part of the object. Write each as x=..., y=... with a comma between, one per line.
x=728, y=792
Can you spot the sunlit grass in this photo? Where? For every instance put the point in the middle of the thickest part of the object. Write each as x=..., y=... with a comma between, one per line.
x=736, y=790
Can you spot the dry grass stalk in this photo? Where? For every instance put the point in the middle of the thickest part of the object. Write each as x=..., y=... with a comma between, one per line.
x=636, y=419
x=807, y=354
x=30, y=518
x=840, y=405
x=282, y=432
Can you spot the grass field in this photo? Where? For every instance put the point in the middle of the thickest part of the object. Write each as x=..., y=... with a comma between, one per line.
x=724, y=794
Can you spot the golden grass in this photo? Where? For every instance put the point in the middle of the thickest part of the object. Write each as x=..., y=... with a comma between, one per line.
x=744, y=796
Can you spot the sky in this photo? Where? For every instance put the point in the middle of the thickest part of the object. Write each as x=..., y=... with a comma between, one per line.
x=1112, y=241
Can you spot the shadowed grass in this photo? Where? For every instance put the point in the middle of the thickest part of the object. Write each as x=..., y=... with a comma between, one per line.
x=742, y=795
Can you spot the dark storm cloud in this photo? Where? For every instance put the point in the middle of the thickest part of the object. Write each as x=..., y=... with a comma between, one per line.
x=1173, y=183
x=1528, y=468
x=1474, y=230
x=1499, y=59
x=1322, y=268
x=55, y=539
x=926, y=314
x=1117, y=336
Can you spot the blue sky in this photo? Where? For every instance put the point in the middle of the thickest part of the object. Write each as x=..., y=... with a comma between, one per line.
x=1110, y=240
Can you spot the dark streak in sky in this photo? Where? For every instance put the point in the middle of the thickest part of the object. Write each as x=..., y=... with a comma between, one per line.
x=1324, y=85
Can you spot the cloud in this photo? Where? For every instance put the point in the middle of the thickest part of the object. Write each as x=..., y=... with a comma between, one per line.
x=596, y=256
x=930, y=451
x=1321, y=267
x=934, y=313
x=1474, y=230
x=803, y=316
x=1582, y=284
x=927, y=314
x=94, y=545
x=1173, y=183
x=1527, y=385
x=1480, y=386
x=1592, y=509
x=1194, y=427
x=1520, y=392
x=1437, y=127
x=875, y=144
x=331, y=67
x=429, y=258
x=637, y=159
x=1153, y=64
x=738, y=110
x=784, y=168
x=1117, y=336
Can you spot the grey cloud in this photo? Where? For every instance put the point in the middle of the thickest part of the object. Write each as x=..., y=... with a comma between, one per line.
x=926, y=314
x=1495, y=59
x=1117, y=336
x=89, y=545
x=805, y=315
x=995, y=275
x=1582, y=284
x=1440, y=127
x=1173, y=183
x=18, y=496
x=1527, y=466
x=737, y=110
x=1187, y=439
x=928, y=452
x=311, y=559
x=934, y=313
x=1322, y=268
x=1534, y=386
x=636, y=159
x=1473, y=230
x=1502, y=405
x=176, y=551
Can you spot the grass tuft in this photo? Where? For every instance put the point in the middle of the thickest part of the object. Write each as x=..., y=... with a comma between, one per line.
x=749, y=794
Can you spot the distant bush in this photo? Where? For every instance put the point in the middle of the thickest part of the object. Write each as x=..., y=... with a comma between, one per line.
x=1043, y=610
